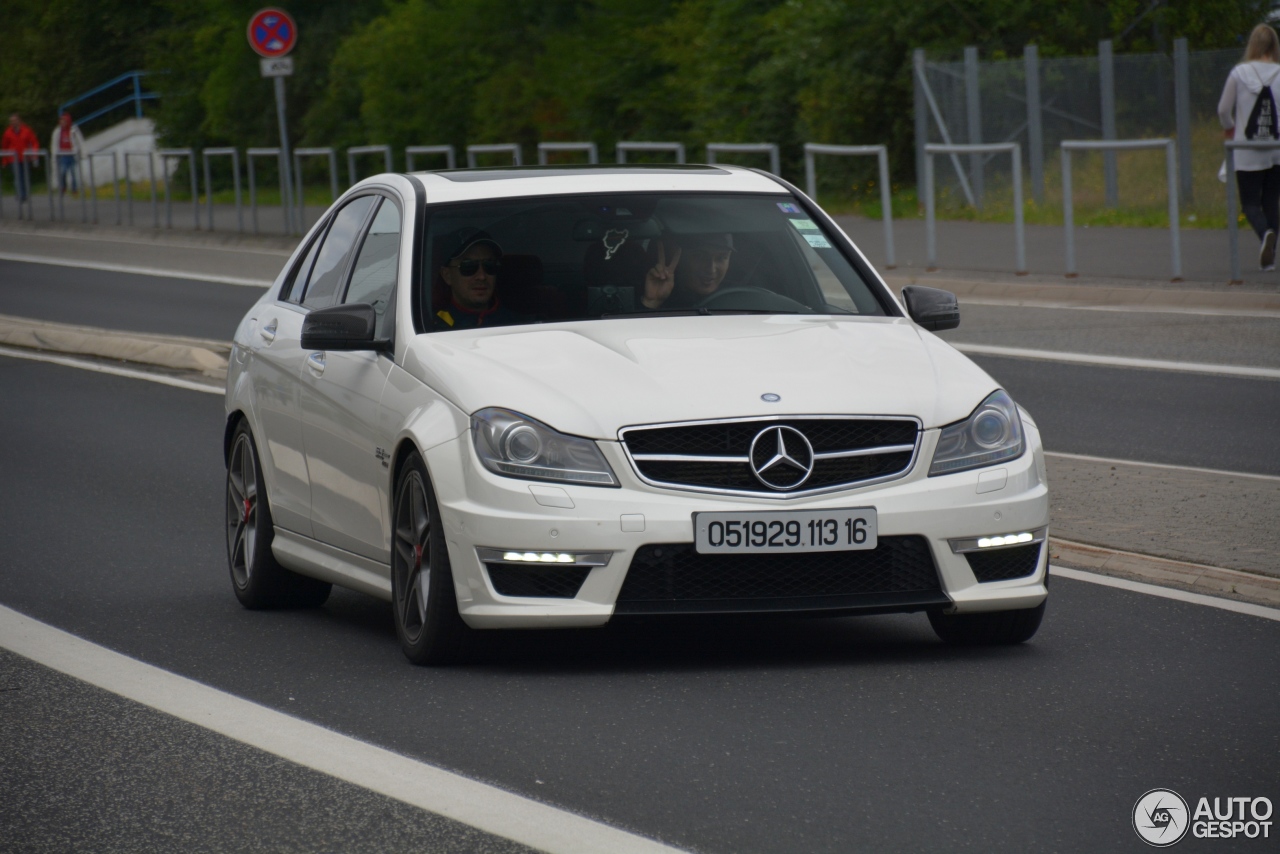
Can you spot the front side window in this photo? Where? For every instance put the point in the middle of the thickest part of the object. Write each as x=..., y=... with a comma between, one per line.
x=373, y=275
x=596, y=257
x=331, y=261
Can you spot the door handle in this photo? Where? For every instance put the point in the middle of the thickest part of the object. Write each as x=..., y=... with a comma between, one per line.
x=269, y=331
x=315, y=361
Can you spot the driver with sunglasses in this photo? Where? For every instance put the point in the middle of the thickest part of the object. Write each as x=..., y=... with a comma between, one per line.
x=470, y=271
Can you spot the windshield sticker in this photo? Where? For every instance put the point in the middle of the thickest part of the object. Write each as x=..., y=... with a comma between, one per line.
x=804, y=224
x=788, y=208
x=613, y=240
x=817, y=241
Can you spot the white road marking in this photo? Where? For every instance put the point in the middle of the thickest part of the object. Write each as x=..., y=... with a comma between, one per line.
x=1117, y=361
x=1114, y=462
x=1169, y=593
x=136, y=271
x=114, y=370
x=427, y=787
x=1134, y=309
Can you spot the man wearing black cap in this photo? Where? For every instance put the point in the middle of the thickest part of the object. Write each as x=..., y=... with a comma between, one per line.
x=470, y=271
x=692, y=272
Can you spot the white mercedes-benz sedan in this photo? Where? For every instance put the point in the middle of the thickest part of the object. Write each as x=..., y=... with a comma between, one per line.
x=550, y=397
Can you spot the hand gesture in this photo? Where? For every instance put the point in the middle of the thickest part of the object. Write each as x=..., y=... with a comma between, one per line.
x=660, y=279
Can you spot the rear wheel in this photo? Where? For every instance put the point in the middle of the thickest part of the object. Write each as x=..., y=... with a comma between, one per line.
x=423, y=600
x=989, y=628
x=258, y=580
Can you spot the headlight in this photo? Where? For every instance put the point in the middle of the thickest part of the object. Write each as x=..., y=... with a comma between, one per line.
x=993, y=433
x=510, y=444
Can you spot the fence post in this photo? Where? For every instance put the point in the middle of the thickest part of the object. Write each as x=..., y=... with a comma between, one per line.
x=922, y=116
x=1233, y=214
x=881, y=153
x=235, y=178
x=1175, y=239
x=1182, y=112
x=5, y=153
x=1035, y=128
x=930, y=226
x=1068, y=215
x=1107, y=88
x=973, y=110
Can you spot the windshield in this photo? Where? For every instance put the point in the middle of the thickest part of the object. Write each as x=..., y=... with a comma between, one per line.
x=595, y=257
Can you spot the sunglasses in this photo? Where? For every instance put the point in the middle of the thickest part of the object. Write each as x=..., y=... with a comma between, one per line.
x=471, y=266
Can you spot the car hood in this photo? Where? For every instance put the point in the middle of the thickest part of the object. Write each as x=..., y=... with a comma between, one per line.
x=592, y=378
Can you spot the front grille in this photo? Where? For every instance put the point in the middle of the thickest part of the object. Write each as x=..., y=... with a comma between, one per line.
x=1003, y=564
x=898, y=574
x=733, y=440
x=543, y=582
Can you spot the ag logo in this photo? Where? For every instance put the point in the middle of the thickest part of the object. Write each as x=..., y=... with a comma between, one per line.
x=1160, y=817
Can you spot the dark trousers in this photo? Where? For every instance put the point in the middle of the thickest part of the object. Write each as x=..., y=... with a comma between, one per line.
x=1260, y=198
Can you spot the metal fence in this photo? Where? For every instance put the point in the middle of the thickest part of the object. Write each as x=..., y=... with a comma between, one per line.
x=1039, y=102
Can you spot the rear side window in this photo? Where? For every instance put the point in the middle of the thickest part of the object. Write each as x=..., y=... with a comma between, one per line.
x=331, y=262
x=373, y=277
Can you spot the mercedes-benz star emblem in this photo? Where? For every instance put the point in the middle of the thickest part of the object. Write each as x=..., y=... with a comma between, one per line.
x=781, y=457
x=770, y=397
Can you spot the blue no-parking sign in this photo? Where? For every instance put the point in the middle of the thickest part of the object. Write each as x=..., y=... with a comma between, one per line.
x=272, y=33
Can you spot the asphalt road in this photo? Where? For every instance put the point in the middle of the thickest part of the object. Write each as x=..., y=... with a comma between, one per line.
x=123, y=301
x=789, y=735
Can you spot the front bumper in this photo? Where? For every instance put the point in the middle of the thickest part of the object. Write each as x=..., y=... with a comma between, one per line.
x=480, y=510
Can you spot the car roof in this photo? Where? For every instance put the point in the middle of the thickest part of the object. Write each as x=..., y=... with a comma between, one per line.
x=516, y=181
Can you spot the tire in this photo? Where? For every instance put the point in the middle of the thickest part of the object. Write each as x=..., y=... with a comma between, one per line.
x=423, y=601
x=258, y=579
x=994, y=628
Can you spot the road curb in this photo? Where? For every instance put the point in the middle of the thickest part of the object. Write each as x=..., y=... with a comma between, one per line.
x=1192, y=577
x=203, y=356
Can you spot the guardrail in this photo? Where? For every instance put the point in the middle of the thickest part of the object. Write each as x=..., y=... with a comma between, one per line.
x=545, y=148
x=128, y=184
x=1107, y=145
x=332, y=156
x=384, y=150
x=769, y=148
x=512, y=148
x=881, y=153
x=930, y=204
x=250, y=154
x=235, y=178
x=165, y=155
x=1233, y=205
x=447, y=150
x=676, y=148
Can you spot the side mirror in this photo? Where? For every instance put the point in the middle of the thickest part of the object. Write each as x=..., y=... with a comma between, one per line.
x=342, y=327
x=931, y=308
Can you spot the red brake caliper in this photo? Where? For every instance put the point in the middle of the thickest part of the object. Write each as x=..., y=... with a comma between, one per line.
x=248, y=508
x=417, y=558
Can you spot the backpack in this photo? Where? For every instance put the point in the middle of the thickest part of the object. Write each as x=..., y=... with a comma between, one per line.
x=1262, y=122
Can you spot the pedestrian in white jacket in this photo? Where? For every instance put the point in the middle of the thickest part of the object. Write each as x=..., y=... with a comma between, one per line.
x=1248, y=110
x=67, y=144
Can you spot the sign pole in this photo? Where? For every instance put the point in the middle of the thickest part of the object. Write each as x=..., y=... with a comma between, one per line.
x=286, y=179
x=272, y=34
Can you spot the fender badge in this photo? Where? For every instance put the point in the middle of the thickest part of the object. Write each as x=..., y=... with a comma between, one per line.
x=770, y=397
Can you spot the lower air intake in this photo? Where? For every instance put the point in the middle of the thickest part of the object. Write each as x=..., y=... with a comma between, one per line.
x=898, y=575
x=1004, y=564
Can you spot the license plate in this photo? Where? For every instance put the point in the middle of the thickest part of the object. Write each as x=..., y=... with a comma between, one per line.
x=785, y=531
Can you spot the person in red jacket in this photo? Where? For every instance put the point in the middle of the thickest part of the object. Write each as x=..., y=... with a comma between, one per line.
x=18, y=138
